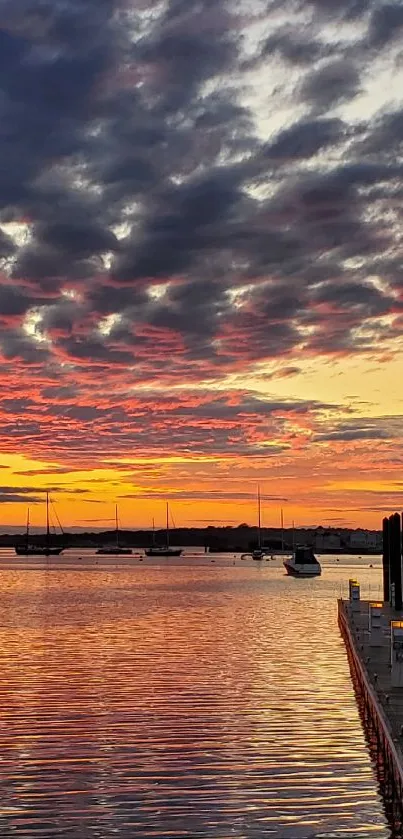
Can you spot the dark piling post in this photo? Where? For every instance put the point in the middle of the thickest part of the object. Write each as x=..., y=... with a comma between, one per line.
x=386, y=560
x=395, y=558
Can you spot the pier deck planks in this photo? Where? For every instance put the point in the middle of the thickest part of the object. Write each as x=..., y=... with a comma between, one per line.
x=374, y=663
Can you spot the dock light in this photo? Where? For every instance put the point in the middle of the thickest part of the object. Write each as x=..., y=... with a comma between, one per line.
x=351, y=582
x=396, y=653
x=354, y=595
x=374, y=624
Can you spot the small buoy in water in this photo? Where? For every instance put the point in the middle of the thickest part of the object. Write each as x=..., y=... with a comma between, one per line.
x=371, y=566
x=213, y=560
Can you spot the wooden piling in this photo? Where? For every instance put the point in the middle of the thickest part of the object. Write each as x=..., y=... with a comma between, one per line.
x=395, y=556
x=386, y=560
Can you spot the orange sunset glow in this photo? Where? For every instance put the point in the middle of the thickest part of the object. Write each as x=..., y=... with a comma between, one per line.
x=201, y=264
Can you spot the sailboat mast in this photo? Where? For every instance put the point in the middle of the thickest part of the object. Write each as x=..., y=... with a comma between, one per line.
x=282, y=530
x=117, y=525
x=27, y=532
x=153, y=542
x=258, y=518
x=167, y=526
x=47, y=521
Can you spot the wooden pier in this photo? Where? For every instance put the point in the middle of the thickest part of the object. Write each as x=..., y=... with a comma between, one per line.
x=381, y=704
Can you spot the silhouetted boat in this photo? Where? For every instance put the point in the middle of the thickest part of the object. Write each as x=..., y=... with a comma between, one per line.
x=115, y=550
x=27, y=549
x=163, y=550
x=303, y=563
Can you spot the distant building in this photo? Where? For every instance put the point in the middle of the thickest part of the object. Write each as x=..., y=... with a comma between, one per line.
x=369, y=540
x=327, y=540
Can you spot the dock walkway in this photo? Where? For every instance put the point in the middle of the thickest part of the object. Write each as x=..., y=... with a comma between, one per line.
x=383, y=703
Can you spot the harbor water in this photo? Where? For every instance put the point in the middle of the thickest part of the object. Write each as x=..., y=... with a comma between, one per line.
x=196, y=697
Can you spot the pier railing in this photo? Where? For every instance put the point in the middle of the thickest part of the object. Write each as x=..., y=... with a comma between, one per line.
x=387, y=739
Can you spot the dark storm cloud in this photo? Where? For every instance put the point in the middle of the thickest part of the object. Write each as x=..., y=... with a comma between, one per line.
x=331, y=84
x=82, y=240
x=294, y=48
x=347, y=9
x=187, y=58
x=16, y=301
x=53, y=58
x=37, y=262
x=16, y=345
x=349, y=295
x=186, y=223
x=305, y=139
x=385, y=136
x=386, y=24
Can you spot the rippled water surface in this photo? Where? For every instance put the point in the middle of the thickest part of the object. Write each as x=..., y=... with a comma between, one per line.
x=195, y=699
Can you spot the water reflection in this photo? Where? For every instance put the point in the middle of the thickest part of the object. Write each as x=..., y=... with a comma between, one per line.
x=190, y=700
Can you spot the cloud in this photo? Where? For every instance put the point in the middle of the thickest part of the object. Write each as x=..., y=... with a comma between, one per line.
x=294, y=47
x=305, y=139
x=200, y=495
x=30, y=491
x=331, y=84
x=206, y=422
x=351, y=434
x=346, y=9
x=17, y=498
x=386, y=24
x=56, y=470
x=188, y=199
x=374, y=428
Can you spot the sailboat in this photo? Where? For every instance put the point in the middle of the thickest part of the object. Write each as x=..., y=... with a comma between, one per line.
x=163, y=550
x=25, y=549
x=115, y=550
x=258, y=553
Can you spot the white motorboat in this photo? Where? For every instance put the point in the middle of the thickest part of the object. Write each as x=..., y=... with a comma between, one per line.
x=303, y=563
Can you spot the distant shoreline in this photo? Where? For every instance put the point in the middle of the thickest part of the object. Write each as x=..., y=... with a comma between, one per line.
x=218, y=539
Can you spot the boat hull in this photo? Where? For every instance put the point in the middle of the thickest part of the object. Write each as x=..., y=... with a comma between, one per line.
x=21, y=551
x=163, y=551
x=302, y=570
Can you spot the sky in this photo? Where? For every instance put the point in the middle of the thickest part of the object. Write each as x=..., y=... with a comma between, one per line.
x=201, y=261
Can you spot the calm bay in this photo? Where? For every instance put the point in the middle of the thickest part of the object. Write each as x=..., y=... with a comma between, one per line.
x=183, y=698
